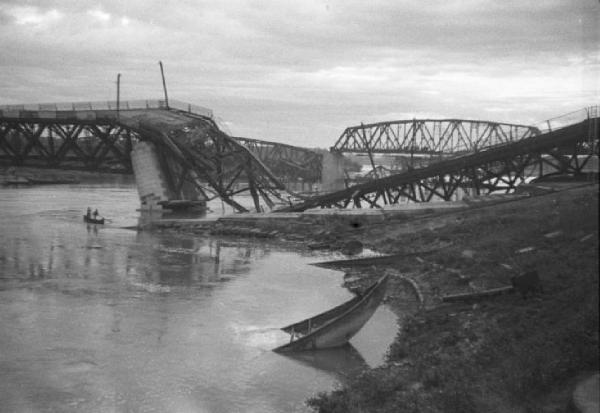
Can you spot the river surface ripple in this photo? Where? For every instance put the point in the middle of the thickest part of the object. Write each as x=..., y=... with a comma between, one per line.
x=105, y=319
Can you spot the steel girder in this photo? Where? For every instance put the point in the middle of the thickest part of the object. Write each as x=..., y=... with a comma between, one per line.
x=287, y=162
x=67, y=145
x=564, y=151
x=429, y=136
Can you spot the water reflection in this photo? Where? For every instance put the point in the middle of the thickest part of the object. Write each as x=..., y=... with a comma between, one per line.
x=168, y=260
x=187, y=261
x=342, y=362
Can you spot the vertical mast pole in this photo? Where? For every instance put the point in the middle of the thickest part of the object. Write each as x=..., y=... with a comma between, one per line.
x=118, y=93
x=162, y=73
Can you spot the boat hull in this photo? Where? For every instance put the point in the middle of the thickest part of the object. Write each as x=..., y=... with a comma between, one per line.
x=92, y=220
x=339, y=330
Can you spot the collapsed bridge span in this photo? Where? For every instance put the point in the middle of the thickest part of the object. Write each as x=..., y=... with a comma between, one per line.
x=567, y=150
x=190, y=155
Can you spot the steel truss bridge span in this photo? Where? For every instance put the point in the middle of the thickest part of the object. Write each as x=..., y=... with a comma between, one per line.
x=502, y=168
x=289, y=163
x=193, y=151
x=429, y=136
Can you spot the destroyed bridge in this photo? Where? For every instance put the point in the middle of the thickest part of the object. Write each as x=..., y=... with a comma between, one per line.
x=179, y=152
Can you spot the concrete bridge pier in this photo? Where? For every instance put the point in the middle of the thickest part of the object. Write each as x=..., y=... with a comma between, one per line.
x=333, y=176
x=152, y=184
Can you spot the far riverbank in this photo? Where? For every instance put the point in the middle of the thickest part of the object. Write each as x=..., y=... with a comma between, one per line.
x=11, y=175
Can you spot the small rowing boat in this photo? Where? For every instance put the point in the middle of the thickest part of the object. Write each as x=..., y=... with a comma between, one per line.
x=335, y=327
x=91, y=220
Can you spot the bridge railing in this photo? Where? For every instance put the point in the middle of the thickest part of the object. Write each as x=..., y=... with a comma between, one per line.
x=189, y=108
x=567, y=119
x=47, y=109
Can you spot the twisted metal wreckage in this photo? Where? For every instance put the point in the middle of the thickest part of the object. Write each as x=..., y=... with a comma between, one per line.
x=499, y=167
x=193, y=150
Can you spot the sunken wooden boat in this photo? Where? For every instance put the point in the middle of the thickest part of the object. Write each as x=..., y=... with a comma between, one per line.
x=335, y=327
x=91, y=220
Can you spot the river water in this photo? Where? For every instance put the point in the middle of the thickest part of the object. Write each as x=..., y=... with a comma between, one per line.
x=106, y=319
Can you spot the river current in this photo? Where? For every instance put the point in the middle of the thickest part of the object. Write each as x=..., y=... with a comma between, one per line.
x=107, y=319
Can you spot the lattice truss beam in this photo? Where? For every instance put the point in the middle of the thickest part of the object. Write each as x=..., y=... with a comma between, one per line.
x=564, y=151
x=287, y=162
x=102, y=147
x=216, y=165
x=429, y=137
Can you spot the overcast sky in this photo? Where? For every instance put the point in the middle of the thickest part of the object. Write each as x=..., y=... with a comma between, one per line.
x=299, y=72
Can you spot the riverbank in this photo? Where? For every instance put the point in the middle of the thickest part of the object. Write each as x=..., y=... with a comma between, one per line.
x=496, y=354
x=11, y=175
x=499, y=354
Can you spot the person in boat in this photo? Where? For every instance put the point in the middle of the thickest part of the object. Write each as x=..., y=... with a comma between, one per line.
x=95, y=213
x=89, y=212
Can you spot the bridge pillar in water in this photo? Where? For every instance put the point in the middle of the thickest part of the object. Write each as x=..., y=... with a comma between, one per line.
x=332, y=175
x=151, y=183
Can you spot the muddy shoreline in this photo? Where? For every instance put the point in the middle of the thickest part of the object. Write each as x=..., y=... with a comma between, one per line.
x=497, y=354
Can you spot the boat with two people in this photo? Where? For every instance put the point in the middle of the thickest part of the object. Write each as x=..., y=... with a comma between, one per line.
x=92, y=218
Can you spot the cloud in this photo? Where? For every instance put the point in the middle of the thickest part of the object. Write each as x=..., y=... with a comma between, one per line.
x=32, y=16
x=300, y=71
x=99, y=15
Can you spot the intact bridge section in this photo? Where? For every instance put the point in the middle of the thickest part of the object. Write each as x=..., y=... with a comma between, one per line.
x=430, y=136
x=419, y=142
